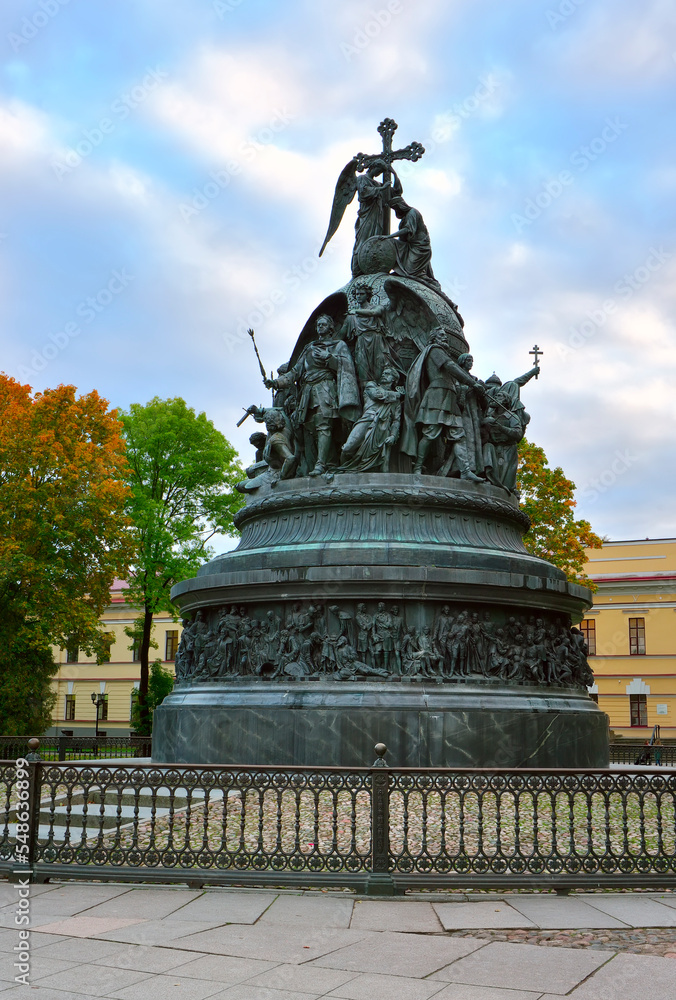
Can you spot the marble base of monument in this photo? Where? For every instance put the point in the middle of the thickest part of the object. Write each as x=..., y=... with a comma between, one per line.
x=423, y=725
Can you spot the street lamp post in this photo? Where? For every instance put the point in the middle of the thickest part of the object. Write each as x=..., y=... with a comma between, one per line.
x=98, y=700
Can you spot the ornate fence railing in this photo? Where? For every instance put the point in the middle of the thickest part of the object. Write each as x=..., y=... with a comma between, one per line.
x=78, y=747
x=376, y=829
x=634, y=751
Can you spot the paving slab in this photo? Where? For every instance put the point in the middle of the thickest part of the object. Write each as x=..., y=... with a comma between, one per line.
x=374, y=915
x=8, y=938
x=84, y=927
x=225, y=907
x=372, y=987
x=148, y=904
x=156, y=932
x=161, y=987
x=299, y=910
x=74, y=897
x=43, y=993
x=144, y=958
x=628, y=977
x=634, y=910
x=562, y=912
x=464, y=992
x=396, y=954
x=302, y=979
x=461, y=916
x=39, y=967
x=668, y=898
x=7, y=919
x=9, y=892
x=271, y=943
x=77, y=949
x=526, y=967
x=98, y=984
x=40, y=940
x=225, y=969
x=246, y=992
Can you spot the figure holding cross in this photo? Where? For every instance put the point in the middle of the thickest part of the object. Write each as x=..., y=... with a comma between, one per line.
x=359, y=177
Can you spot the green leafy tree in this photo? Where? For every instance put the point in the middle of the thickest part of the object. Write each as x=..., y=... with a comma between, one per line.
x=548, y=498
x=182, y=474
x=160, y=684
x=26, y=671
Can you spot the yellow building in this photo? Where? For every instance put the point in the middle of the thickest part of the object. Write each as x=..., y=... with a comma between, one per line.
x=79, y=676
x=631, y=634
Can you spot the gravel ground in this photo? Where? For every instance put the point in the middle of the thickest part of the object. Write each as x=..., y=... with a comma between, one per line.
x=651, y=941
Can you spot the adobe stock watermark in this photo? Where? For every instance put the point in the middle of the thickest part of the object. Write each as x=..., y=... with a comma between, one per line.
x=87, y=311
x=626, y=287
x=225, y=7
x=22, y=918
x=371, y=29
x=248, y=150
x=618, y=466
x=264, y=307
x=32, y=24
x=448, y=122
x=581, y=159
x=120, y=109
x=454, y=286
x=556, y=16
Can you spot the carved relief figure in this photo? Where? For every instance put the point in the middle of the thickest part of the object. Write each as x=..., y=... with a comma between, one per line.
x=383, y=639
x=523, y=650
x=364, y=626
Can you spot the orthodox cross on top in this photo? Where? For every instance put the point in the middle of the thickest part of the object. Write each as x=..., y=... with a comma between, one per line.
x=537, y=353
x=413, y=152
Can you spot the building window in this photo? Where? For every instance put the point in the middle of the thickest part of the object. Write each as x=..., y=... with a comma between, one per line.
x=72, y=653
x=637, y=636
x=136, y=651
x=69, y=713
x=594, y=697
x=638, y=707
x=103, y=710
x=588, y=629
x=104, y=657
x=133, y=701
x=171, y=644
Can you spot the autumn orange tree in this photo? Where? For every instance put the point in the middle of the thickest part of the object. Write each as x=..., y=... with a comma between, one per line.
x=64, y=536
x=548, y=498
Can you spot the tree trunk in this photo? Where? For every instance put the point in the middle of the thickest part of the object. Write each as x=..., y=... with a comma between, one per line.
x=144, y=710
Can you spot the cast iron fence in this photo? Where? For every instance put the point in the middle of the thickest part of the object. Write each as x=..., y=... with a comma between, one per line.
x=78, y=747
x=630, y=752
x=376, y=829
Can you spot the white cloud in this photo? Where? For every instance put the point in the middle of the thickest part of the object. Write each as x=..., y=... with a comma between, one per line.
x=609, y=43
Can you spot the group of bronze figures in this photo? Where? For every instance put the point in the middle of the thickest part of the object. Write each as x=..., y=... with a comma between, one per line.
x=350, y=404
x=336, y=643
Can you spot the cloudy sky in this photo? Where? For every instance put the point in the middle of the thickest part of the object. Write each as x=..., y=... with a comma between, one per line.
x=167, y=171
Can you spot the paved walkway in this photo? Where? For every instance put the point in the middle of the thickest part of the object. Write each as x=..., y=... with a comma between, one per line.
x=150, y=943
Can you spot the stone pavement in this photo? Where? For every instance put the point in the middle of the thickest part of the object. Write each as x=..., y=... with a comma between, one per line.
x=140, y=943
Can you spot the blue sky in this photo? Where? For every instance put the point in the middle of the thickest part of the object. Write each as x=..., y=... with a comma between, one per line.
x=548, y=188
